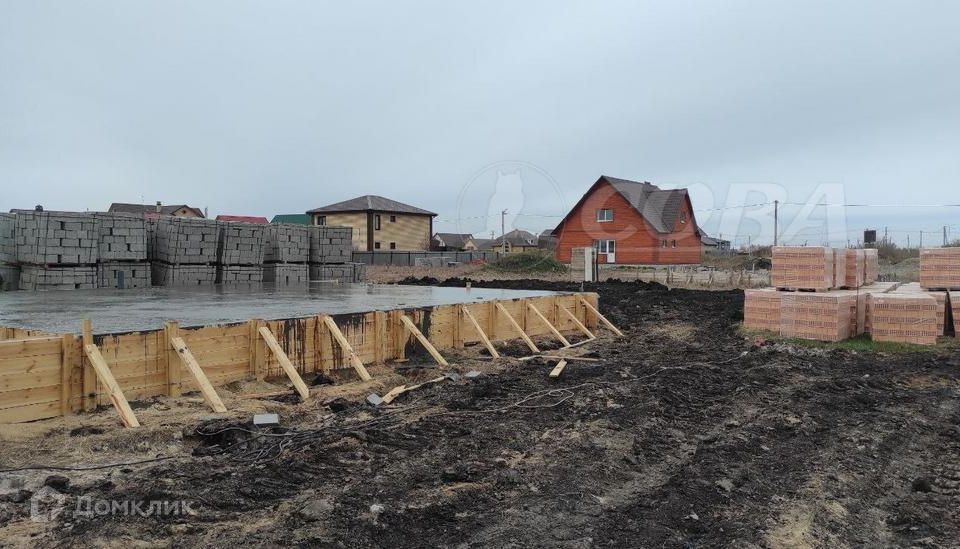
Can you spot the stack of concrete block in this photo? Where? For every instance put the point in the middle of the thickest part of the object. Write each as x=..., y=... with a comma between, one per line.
x=9, y=269
x=185, y=241
x=761, y=309
x=183, y=251
x=124, y=275
x=802, y=268
x=40, y=277
x=239, y=274
x=940, y=268
x=166, y=274
x=287, y=274
x=285, y=243
x=240, y=259
x=904, y=318
x=331, y=244
x=345, y=272
x=817, y=316
x=123, y=251
x=56, y=238
x=241, y=243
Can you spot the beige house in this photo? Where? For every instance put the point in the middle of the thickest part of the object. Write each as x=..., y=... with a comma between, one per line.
x=379, y=223
x=176, y=210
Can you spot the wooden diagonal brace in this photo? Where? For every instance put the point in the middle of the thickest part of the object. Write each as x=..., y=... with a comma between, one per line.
x=483, y=336
x=285, y=363
x=409, y=325
x=553, y=329
x=186, y=357
x=602, y=318
x=576, y=322
x=347, y=348
x=113, y=389
x=523, y=335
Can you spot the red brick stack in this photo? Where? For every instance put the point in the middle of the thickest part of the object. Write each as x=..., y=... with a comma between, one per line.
x=904, y=318
x=940, y=268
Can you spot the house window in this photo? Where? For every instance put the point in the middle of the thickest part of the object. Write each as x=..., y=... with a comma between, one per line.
x=321, y=220
x=393, y=219
x=605, y=246
x=673, y=243
x=683, y=217
x=663, y=243
x=604, y=215
x=376, y=245
x=376, y=222
x=393, y=245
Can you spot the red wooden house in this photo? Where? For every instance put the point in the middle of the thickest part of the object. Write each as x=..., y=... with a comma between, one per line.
x=630, y=222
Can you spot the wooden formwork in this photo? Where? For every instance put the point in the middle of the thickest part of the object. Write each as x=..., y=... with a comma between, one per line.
x=47, y=375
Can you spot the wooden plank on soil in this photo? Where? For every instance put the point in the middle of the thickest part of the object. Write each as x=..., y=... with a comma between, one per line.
x=285, y=363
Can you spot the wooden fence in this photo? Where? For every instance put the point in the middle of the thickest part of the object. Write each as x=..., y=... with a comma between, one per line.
x=47, y=375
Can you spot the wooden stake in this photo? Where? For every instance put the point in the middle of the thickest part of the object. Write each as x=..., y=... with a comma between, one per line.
x=172, y=330
x=89, y=382
x=526, y=338
x=379, y=336
x=577, y=322
x=285, y=363
x=209, y=393
x=113, y=389
x=553, y=329
x=558, y=369
x=66, y=369
x=423, y=340
x=345, y=345
x=483, y=337
x=602, y=318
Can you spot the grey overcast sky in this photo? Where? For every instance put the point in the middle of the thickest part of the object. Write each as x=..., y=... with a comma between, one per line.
x=270, y=107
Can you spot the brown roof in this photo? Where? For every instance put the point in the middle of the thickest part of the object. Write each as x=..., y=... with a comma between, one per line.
x=455, y=240
x=658, y=206
x=244, y=219
x=516, y=237
x=371, y=202
x=121, y=207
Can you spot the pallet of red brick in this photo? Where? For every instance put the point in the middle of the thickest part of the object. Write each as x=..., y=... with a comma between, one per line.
x=817, y=316
x=855, y=271
x=940, y=268
x=802, y=268
x=904, y=318
x=761, y=309
x=871, y=260
x=955, y=309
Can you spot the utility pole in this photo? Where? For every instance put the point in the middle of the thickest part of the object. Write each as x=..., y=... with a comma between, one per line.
x=944, y=235
x=884, y=235
x=503, y=235
x=921, y=239
x=776, y=220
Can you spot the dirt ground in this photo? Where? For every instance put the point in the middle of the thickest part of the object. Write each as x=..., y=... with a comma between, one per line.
x=681, y=434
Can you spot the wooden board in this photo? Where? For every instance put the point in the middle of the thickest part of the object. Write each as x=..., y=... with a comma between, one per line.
x=285, y=363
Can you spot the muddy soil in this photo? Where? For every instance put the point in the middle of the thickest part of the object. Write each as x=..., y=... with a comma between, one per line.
x=683, y=434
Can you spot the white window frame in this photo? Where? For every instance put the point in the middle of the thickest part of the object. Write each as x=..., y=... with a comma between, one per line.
x=683, y=217
x=602, y=218
x=605, y=246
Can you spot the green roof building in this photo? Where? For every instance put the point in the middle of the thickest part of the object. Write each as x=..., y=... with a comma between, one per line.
x=293, y=219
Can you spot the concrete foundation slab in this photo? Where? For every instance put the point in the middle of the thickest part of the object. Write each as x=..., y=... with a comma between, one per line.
x=120, y=311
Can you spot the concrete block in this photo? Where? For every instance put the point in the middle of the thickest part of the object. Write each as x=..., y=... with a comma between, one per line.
x=124, y=275
x=286, y=274
x=164, y=274
x=34, y=277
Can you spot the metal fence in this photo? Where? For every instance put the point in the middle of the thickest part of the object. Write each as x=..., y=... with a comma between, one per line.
x=413, y=259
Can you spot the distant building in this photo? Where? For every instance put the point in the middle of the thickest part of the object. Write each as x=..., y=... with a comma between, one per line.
x=515, y=241
x=546, y=240
x=146, y=210
x=379, y=223
x=449, y=242
x=711, y=244
x=632, y=222
x=474, y=244
x=243, y=219
x=292, y=219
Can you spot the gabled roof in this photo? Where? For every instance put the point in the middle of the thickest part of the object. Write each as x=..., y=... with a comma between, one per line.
x=371, y=202
x=516, y=237
x=658, y=206
x=141, y=209
x=293, y=219
x=243, y=219
x=456, y=240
